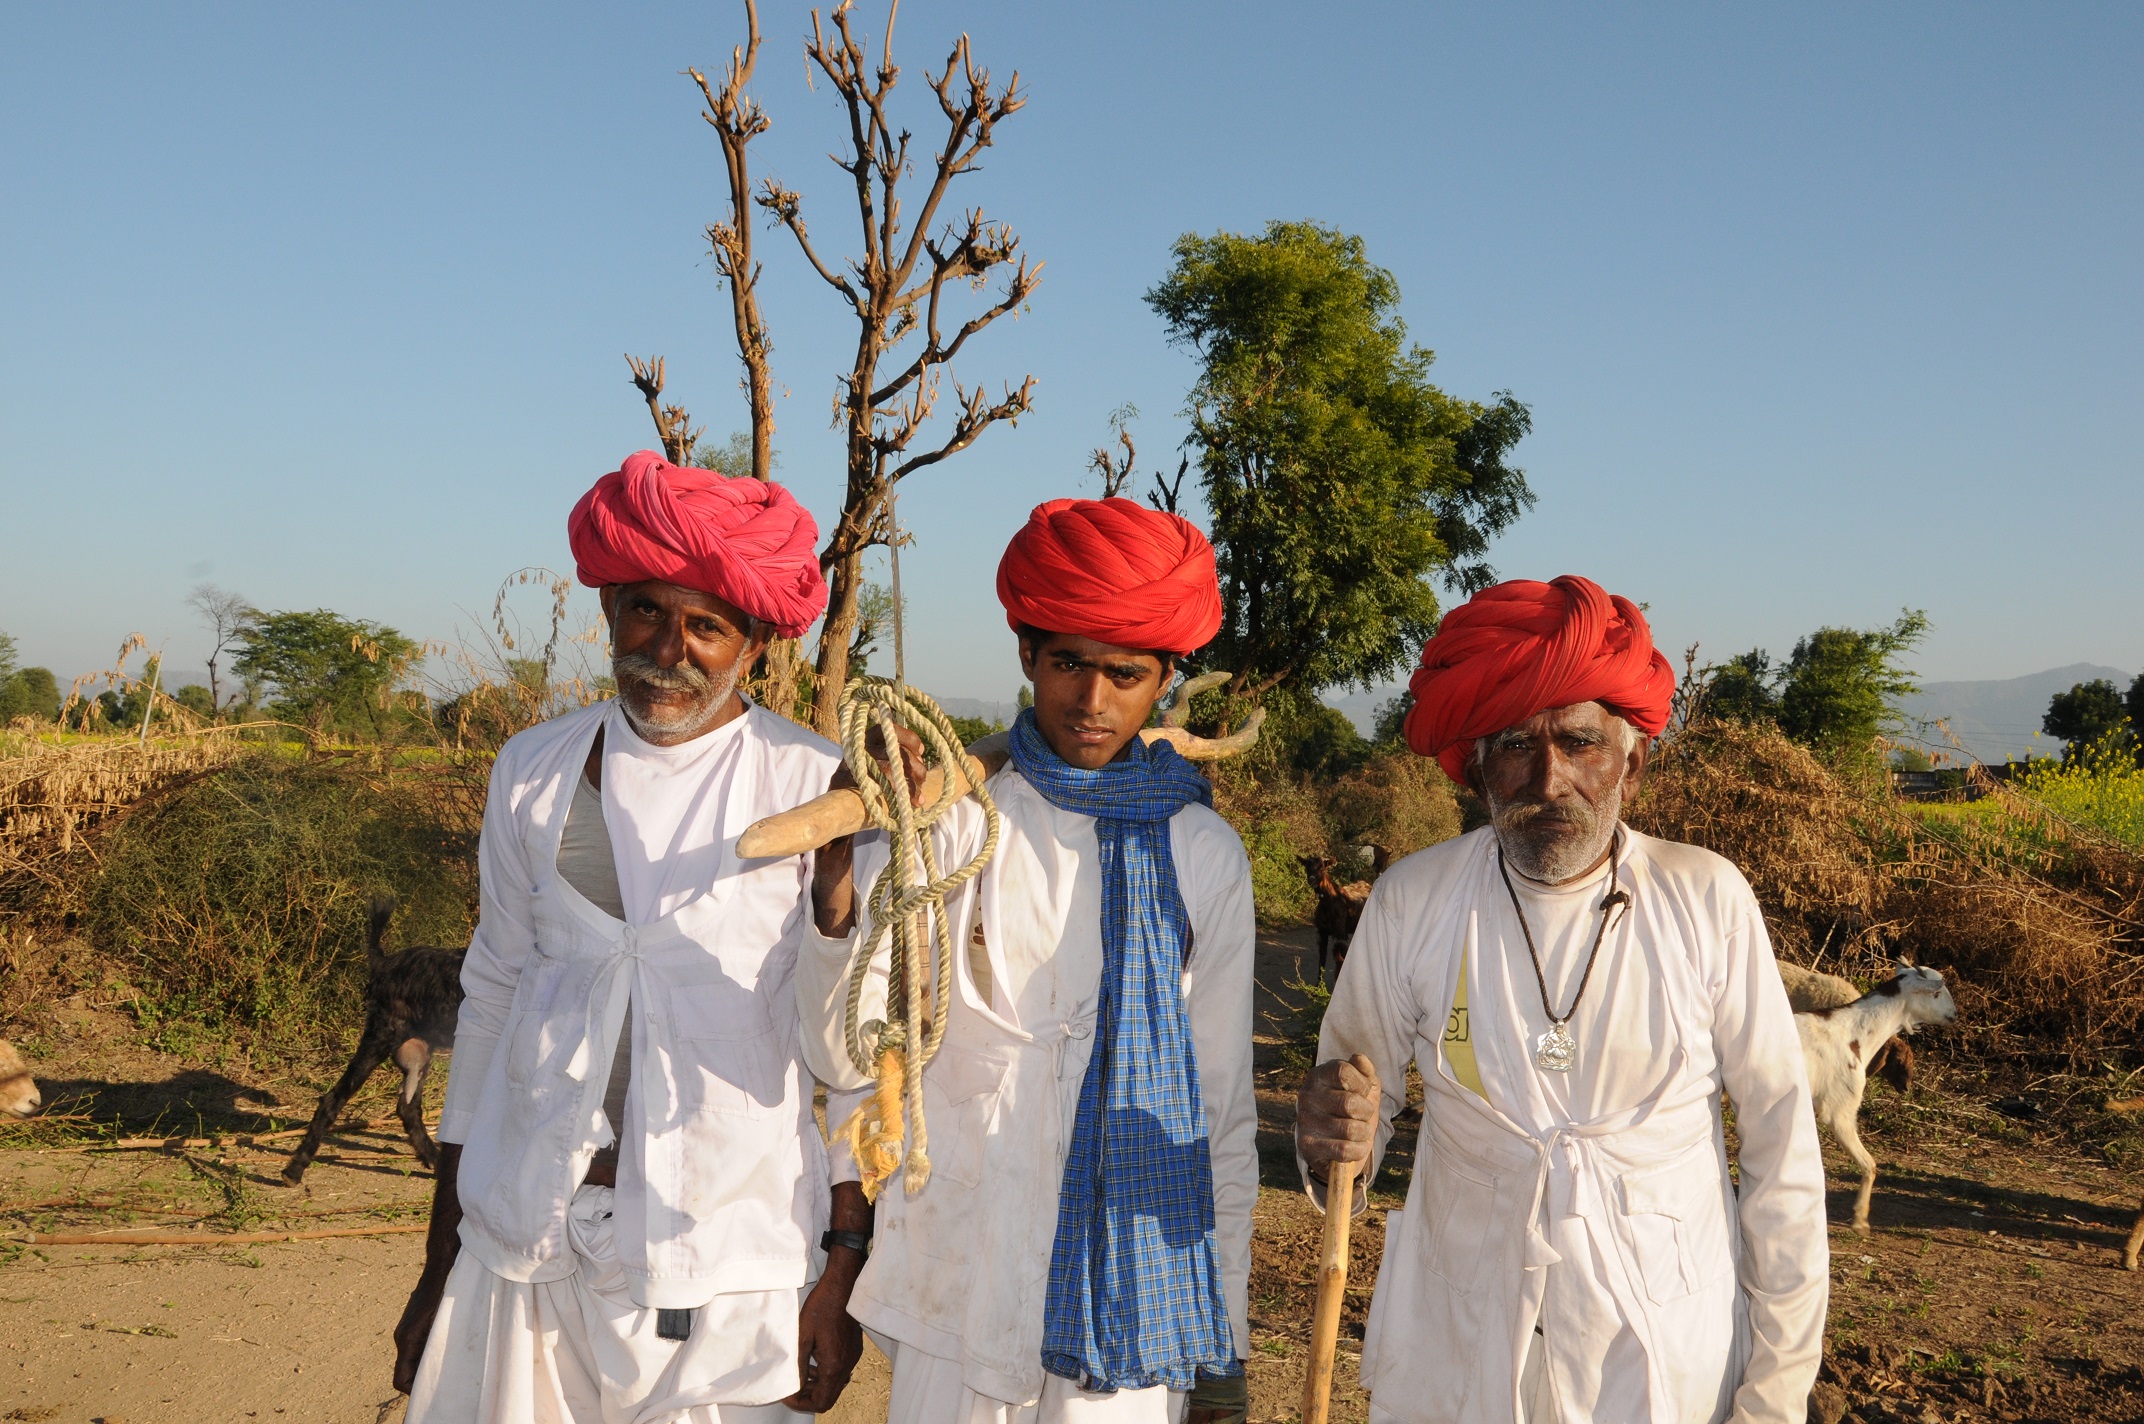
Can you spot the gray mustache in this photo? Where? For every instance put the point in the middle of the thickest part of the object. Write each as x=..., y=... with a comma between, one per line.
x=639, y=667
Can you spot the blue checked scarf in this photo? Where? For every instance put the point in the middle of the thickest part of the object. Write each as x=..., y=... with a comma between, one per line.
x=1135, y=1293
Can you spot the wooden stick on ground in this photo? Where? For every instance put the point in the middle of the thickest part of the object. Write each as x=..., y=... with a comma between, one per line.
x=204, y=1238
x=1332, y=1291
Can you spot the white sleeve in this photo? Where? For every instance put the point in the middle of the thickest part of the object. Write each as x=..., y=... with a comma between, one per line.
x=1372, y=1013
x=1217, y=1001
x=823, y=969
x=504, y=939
x=1785, y=1259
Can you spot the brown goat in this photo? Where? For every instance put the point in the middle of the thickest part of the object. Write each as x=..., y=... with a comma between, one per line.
x=1339, y=908
x=411, y=1002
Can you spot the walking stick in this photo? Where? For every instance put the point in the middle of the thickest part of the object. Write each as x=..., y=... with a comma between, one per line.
x=1332, y=1291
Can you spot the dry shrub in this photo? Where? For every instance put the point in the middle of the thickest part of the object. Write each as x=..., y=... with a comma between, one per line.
x=237, y=901
x=2040, y=931
x=56, y=790
x=1397, y=800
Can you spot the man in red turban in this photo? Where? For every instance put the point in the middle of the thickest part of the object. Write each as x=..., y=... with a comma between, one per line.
x=1103, y=998
x=642, y=1239
x=1577, y=1251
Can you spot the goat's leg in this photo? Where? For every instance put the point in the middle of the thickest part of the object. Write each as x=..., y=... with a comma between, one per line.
x=2136, y=1240
x=413, y=1056
x=371, y=1053
x=1844, y=1126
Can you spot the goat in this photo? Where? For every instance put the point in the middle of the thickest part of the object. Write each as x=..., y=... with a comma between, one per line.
x=1812, y=991
x=1339, y=908
x=1839, y=1042
x=411, y=1002
x=18, y=1090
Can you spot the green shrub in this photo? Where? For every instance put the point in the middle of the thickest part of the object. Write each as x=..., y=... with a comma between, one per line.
x=238, y=900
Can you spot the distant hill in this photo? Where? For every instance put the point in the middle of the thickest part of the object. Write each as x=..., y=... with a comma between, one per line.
x=980, y=707
x=1996, y=721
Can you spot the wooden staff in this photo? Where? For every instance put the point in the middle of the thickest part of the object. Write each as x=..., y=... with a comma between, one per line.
x=1332, y=1291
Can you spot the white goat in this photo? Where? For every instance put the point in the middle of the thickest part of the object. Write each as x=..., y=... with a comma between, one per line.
x=18, y=1090
x=1839, y=1043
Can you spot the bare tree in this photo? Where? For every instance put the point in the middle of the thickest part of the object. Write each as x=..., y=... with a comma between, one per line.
x=737, y=119
x=1166, y=492
x=1116, y=474
x=672, y=426
x=897, y=289
x=228, y=615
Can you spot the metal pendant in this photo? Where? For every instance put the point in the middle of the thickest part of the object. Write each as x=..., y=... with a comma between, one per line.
x=1557, y=1051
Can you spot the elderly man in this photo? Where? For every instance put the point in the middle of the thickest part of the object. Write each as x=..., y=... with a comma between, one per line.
x=630, y=1206
x=1082, y=1246
x=1577, y=997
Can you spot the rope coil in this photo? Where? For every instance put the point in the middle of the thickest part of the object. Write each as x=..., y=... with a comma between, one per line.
x=907, y=909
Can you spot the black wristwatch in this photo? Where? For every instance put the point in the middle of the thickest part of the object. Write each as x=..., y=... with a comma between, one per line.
x=857, y=1241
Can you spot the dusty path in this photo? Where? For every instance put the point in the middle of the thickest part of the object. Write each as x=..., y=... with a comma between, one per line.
x=1990, y=1290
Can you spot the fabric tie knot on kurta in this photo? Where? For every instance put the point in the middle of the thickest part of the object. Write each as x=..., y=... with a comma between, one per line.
x=1134, y=1291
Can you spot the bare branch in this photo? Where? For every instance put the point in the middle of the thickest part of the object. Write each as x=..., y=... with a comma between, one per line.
x=737, y=119
x=975, y=417
x=1115, y=475
x=672, y=426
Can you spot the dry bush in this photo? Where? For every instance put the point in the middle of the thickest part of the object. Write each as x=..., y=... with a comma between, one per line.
x=57, y=789
x=237, y=901
x=2040, y=931
x=1397, y=800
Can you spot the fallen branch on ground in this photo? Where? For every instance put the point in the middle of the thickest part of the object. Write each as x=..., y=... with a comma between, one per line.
x=203, y=1238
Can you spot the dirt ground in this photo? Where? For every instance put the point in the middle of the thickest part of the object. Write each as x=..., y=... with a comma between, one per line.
x=1991, y=1288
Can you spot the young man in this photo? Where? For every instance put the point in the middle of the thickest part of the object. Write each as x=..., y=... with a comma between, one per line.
x=1082, y=1246
x=630, y=1205
x=1577, y=997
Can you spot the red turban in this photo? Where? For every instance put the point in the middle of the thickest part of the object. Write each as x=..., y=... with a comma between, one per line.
x=746, y=541
x=1522, y=647
x=1115, y=571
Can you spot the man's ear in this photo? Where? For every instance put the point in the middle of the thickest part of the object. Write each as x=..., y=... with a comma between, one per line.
x=1641, y=752
x=607, y=595
x=1027, y=656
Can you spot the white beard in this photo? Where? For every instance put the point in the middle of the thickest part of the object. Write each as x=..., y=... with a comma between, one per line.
x=1554, y=860
x=667, y=726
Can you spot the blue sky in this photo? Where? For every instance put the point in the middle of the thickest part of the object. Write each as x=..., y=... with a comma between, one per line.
x=1821, y=312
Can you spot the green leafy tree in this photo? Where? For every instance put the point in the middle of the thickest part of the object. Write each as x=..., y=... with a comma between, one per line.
x=1840, y=685
x=196, y=699
x=733, y=457
x=25, y=692
x=1339, y=479
x=1745, y=688
x=29, y=692
x=327, y=670
x=2086, y=715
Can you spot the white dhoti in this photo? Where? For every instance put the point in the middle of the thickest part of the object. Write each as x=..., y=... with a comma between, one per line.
x=579, y=1351
x=927, y=1389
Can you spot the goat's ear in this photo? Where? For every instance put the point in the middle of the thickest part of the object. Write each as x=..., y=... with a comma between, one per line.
x=1905, y=961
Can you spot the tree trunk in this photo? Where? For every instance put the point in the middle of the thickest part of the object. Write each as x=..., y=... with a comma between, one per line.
x=844, y=584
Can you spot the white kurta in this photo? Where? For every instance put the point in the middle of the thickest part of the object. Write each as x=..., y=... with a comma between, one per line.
x=959, y=1271
x=722, y=1178
x=1596, y=1204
